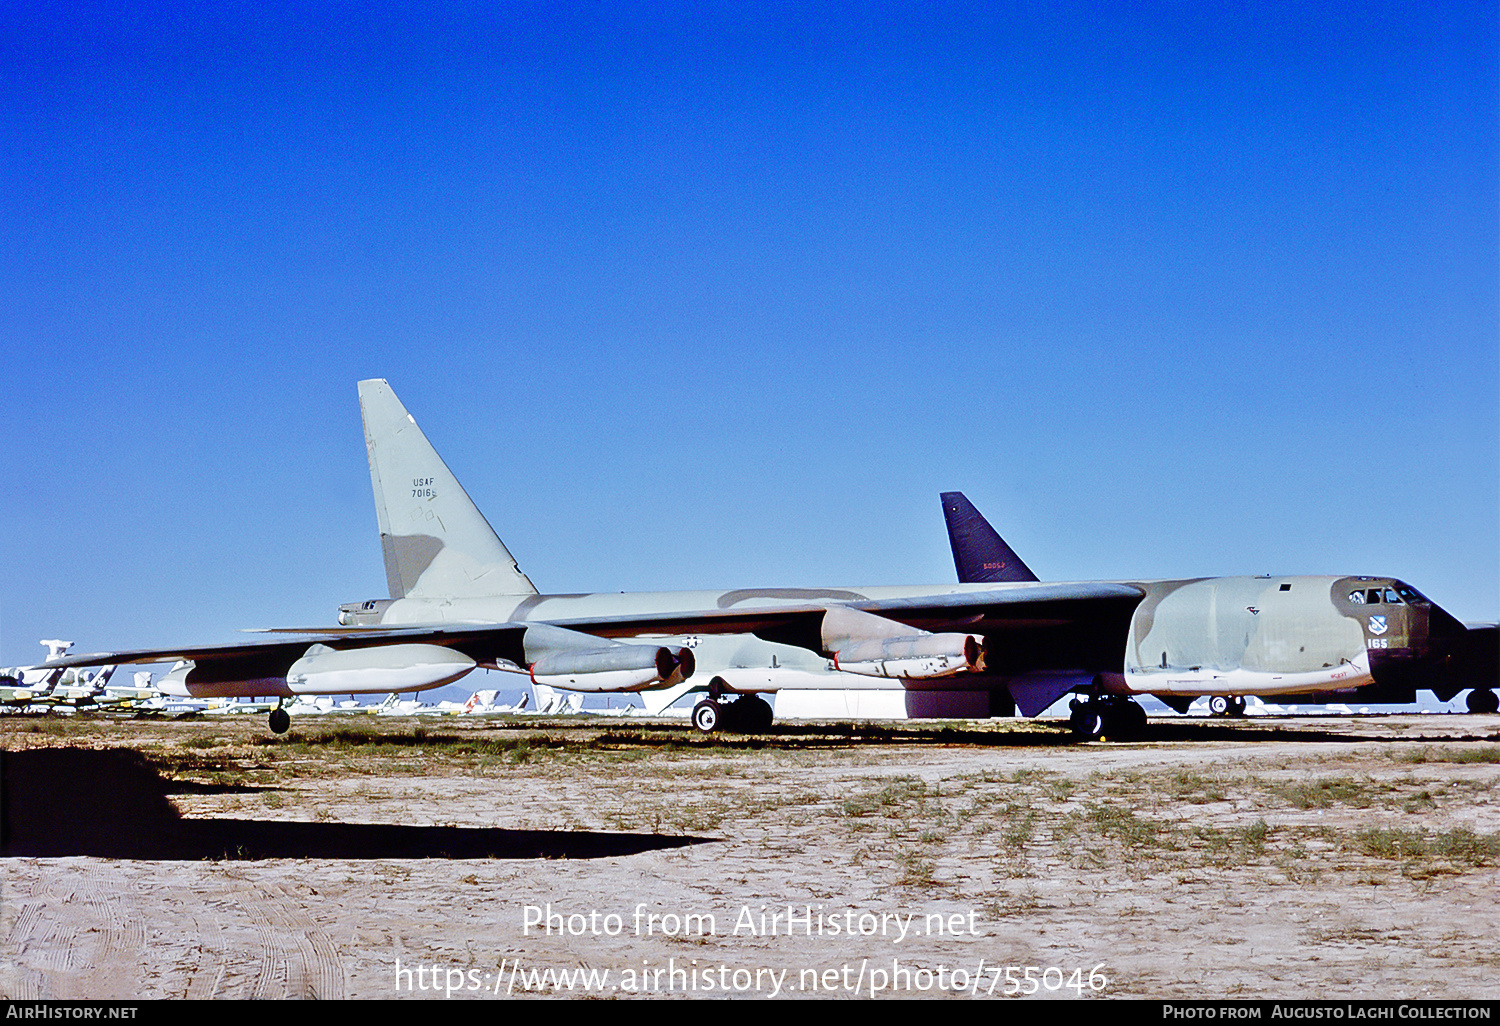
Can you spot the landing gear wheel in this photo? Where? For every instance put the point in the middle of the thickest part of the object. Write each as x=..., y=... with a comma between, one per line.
x=1124, y=720
x=1088, y=722
x=1076, y=711
x=707, y=716
x=1237, y=705
x=1132, y=719
x=1483, y=700
x=764, y=716
x=280, y=721
x=1087, y=718
x=1219, y=705
x=750, y=714
x=1117, y=719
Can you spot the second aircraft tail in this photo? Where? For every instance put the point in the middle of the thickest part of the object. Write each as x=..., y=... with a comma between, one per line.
x=979, y=553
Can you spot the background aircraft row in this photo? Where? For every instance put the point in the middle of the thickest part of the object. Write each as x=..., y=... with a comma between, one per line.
x=143, y=698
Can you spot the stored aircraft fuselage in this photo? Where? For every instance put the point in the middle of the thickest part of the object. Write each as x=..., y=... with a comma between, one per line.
x=459, y=601
x=1204, y=636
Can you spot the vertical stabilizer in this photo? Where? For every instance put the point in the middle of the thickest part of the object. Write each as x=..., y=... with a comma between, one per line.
x=436, y=542
x=979, y=553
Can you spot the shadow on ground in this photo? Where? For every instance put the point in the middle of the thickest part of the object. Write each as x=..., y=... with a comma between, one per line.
x=57, y=802
x=817, y=735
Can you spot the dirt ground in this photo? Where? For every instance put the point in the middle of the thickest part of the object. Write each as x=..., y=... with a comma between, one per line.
x=1335, y=857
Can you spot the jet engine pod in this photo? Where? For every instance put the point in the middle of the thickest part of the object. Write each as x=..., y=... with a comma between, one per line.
x=686, y=664
x=617, y=668
x=562, y=658
x=919, y=657
x=189, y=680
x=874, y=646
x=380, y=670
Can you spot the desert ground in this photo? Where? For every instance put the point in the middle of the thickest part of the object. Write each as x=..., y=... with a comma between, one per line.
x=364, y=857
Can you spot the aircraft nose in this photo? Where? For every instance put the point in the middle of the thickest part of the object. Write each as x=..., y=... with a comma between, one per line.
x=1409, y=643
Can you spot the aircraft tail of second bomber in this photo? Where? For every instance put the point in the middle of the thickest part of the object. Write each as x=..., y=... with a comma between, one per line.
x=980, y=555
x=436, y=542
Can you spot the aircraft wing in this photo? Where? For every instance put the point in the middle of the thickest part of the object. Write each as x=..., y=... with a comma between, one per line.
x=1029, y=606
x=270, y=653
x=1065, y=608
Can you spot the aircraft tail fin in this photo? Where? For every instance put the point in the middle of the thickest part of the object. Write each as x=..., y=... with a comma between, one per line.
x=99, y=682
x=49, y=682
x=979, y=553
x=436, y=542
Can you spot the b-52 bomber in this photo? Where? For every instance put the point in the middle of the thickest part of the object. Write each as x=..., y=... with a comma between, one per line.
x=458, y=600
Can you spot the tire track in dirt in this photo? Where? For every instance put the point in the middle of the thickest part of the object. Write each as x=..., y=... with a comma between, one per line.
x=25, y=917
x=207, y=930
x=74, y=922
x=277, y=950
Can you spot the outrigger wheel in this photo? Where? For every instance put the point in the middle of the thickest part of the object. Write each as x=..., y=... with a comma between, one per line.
x=280, y=721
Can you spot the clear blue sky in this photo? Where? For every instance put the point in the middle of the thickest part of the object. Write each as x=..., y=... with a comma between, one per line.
x=724, y=295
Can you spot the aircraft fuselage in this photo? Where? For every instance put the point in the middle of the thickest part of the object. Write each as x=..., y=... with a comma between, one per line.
x=1205, y=636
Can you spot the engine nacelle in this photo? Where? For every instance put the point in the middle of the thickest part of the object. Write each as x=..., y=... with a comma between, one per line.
x=561, y=658
x=874, y=646
x=918, y=657
x=381, y=670
x=322, y=670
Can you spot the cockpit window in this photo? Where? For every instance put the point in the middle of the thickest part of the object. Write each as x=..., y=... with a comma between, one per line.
x=1399, y=595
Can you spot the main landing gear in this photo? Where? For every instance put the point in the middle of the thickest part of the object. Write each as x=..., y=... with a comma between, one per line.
x=747, y=714
x=1226, y=705
x=1108, y=717
x=280, y=721
x=1483, y=700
